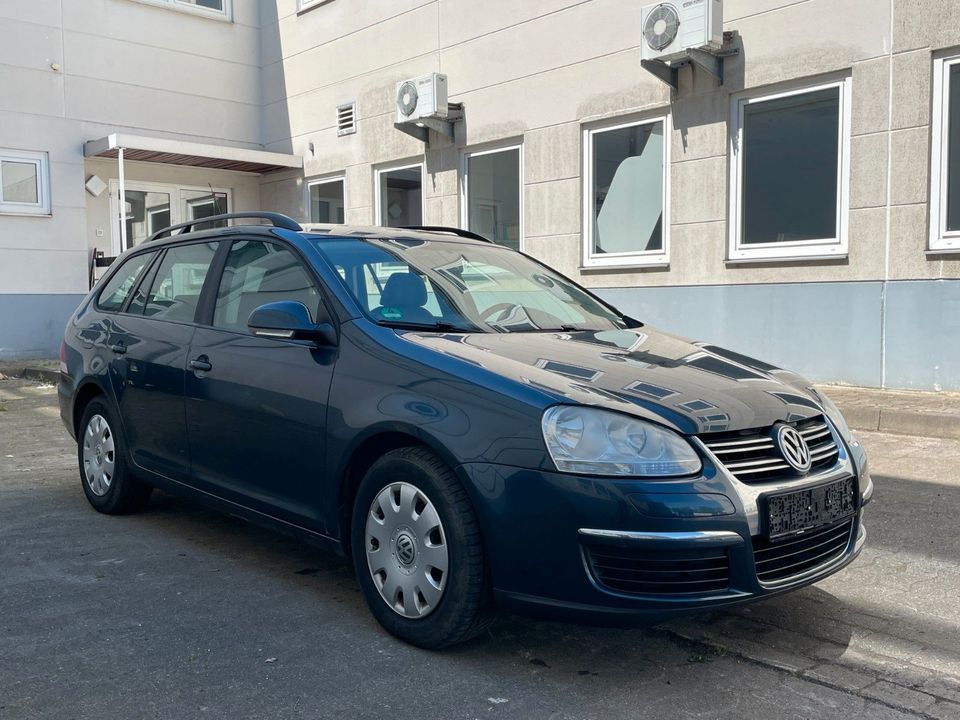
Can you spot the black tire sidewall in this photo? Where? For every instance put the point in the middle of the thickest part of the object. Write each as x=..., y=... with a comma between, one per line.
x=445, y=623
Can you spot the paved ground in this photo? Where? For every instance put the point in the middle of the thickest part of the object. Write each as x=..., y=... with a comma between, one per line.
x=180, y=613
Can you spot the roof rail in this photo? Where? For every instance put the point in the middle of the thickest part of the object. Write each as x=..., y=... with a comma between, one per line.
x=276, y=219
x=443, y=229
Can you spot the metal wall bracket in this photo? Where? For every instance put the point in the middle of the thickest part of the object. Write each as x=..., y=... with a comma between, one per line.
x=670, y=74
x=710, y=61
x=443, y=126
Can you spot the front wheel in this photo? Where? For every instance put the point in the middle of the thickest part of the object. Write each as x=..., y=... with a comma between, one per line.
x=104, y=472
x=417, y=550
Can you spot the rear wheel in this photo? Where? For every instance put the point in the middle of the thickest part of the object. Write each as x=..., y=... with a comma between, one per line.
x=417, y=550
x=104, y=471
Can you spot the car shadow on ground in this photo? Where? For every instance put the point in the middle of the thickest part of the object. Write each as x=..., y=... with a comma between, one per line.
x=287, y=563
x=795, y=631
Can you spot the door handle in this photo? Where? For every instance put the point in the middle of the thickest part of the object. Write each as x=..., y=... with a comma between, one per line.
x=119, y=348
x=201, y=363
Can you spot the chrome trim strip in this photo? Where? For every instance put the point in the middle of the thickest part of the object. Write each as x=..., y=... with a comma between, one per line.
x=702, y=537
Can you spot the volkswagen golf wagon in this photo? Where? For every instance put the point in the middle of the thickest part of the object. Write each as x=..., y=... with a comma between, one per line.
x=472, y=429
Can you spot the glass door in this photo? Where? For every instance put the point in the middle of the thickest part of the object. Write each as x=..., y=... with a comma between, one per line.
x=151, y=207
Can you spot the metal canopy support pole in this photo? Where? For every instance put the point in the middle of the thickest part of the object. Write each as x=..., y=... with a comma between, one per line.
x=122, y=204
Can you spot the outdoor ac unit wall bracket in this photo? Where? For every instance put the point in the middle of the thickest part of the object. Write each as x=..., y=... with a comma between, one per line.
x=710, y=61
x=444, y=126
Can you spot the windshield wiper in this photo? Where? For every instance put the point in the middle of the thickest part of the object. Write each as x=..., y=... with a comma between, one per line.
x=439, y=325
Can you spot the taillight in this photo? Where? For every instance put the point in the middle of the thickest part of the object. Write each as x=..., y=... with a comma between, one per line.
x=63, y=357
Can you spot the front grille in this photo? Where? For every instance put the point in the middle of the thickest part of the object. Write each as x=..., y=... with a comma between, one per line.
x=796, y=555
x=660, y=572
x=752, y=456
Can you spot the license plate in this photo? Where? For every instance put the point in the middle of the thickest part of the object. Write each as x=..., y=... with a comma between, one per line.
x=808, y=509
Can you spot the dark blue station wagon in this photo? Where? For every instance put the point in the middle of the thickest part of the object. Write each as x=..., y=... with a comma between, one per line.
x=473, y=429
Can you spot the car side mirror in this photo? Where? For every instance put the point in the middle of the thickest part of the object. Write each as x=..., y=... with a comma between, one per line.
x=289, y=320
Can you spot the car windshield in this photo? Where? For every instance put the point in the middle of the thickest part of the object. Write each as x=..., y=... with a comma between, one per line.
x=461, y=287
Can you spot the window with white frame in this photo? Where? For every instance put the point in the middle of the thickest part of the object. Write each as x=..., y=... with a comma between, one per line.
x=222, y=9
x=945, y=160
x=627, y=194
x=24, y=183
x=399, y=196
x=789, y=163
x=307, y=4
x=325, y=200
x=492, y=196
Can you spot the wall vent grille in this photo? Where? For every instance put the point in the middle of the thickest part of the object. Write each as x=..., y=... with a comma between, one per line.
x=346, y=119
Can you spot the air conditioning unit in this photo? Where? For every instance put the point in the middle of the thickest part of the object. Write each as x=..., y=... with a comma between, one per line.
x=671, y=28
x=422, y=97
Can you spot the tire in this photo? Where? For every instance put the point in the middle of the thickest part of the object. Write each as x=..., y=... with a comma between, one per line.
x=432, y=609
x=105, y=471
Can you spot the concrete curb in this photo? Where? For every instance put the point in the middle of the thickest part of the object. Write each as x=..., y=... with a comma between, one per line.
x=902, y=422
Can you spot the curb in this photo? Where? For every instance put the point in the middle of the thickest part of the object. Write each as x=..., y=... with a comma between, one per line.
x=901, y=422
x=47, y=376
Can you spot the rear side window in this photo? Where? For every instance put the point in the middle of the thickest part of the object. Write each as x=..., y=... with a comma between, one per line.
x=175, y=291
x=118, y=287
x=257, y=273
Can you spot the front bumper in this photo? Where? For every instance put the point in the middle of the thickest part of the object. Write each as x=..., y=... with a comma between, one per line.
x=543, y=531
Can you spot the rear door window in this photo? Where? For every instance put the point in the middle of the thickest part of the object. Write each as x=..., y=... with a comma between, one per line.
x=175, y=291
x=118, y=287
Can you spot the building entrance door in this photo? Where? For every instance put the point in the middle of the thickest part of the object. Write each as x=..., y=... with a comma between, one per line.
x=153, y=206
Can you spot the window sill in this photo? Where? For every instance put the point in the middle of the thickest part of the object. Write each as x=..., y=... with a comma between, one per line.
x=774, y=259
x=187, y=10
x=26, y=213
x=943, y=251
x=626, y=267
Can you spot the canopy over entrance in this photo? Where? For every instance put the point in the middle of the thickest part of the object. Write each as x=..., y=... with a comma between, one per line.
x=178, y=152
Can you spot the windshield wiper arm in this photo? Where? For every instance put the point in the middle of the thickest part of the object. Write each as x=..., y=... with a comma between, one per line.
x=440, y=325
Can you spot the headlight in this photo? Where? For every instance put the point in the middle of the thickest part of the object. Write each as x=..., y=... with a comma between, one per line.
x=599, y=442
x=833, y=412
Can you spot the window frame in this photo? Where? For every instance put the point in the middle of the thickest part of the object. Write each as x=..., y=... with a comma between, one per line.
x=324, y=180
x=225, y=15
x=42, y=162
x=941, y=239
x=634, y=259
x=465, y=181
x=377, y=200
x=820, y=248
x=304, y=5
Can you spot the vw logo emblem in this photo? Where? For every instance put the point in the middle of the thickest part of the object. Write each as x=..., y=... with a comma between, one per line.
x=406, y=550
x=793, y=448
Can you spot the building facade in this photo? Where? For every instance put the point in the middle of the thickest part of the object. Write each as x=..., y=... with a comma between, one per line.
x=805, y=211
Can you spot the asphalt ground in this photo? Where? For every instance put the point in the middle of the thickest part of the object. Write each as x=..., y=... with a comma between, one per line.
x=179, y=613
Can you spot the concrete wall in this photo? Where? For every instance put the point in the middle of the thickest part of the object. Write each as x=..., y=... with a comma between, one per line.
x=540, y=71
x=537, y=73
x=123, y=66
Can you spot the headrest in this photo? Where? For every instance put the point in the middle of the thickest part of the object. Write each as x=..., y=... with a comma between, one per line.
x=404, y=289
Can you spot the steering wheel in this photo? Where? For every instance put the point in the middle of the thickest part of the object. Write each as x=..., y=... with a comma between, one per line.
x=487, y=314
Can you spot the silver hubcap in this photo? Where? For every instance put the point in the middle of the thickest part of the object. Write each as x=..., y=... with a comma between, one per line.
x=406, y=550
x=99, y=455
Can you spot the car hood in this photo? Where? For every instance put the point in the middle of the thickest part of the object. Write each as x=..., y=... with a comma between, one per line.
x=690, y=386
